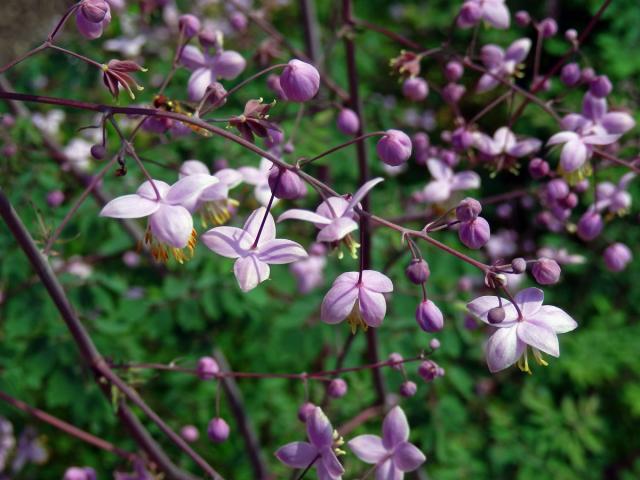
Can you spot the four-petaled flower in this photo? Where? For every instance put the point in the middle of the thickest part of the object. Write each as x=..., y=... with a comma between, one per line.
x=206, y=68
x=504, y=142
x=530, y=323
x=358, y=298
x=502, y=65
x=445, y=182
x=320, y=451
x=254, y=246
x=392, y=454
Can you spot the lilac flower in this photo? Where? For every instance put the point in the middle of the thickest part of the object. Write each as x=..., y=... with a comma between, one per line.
x=501, y=64
x=392, y=453
x=170, y=222
x=213, y=202
x=613, y=197
x=494, y=12
x=335, y=217
x=309, y=271
x=206, y=68
x=531, y=324
x=357, y=298
x=259, y=177
x=578, y=147
x=504, y=142
x=321, y=451
x=445, y=182
x=253, y=247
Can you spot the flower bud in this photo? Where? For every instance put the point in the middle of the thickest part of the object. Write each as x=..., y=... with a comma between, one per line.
x=305, y=410
x=546, y=271
x=207, y=368
x=417, y=271
x=496, y=315
x=570, y=74
x=470, y=14
x=600, y=86
x=589, y=226
x=8, y=121
x=396, y=357
x=415, y=89
x=285, y=184
x=453, y=71
x=548, y=27
x=429, y=317
x=538, y=168
x=569, y=202
x=79, y=473
x=474, y=234
x=519, y=265
x=408, y=389
x=210, y=38
x=617, y=256
x=428, y=370
x=453, y=92
x=522, y=18
x=131, y=259
x=216, y=94
x=348, y=122
x=238, y=21
x=218, y=430
x=189, y=25
x=92, y=17
x=557, y=189
x=588, y=74
x=434, y=344
x=300, y=81
x=55, y=198
x=394, y=148
x=98, y=151
x=190, y=433
x=229, y=64
x=337, y=388
x=468, y=209
x=94, y=10
x=461, y=139
x=571, y=35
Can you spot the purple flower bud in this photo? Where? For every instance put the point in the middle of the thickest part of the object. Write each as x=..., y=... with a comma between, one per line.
x=189, y=25
x=337, y=388
x=55, y=198
x=582, y=186
x=79, y=473
x=305, y=410
x=588, y=74
x=569, y=202
x=216, y=94
x=546, y=271
x=348, y=122
x=468, y=209
x=131, y=259
x=496, y=315
x=557, y=188
x=470, y=14
x=519, y=265
x=429, y=317
x=420, y=141
x=209, y=38
x=570, y=74
x=207, y=368
x=415, y=89
x=288, y=148
x=548, y=27
x=434, y=344
x=418, y=271
x=538, y=168
x=571, y=35
x=474, y=234
x=218, y=430
x=522, y=18
x=94, y=11
x=238, y=21
x=461, y=139
x=274, y=137
x=300, y=81
x=453, y=71
x=428, y=370
x=394, y=148
x=408, y=389
x=617, y=256
x=98, y=151
x=92, y=17
x=190, y=433
x=590, y=225
x=396, y=357
x=449, y=157
x=600, y=86
x=285, y=184
x=453, y=92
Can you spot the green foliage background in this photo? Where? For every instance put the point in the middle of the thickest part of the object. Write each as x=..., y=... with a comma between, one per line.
x=577, y=419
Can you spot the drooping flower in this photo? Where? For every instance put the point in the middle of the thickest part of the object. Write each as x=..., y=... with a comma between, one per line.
x=259, y=177
x=92, y=17
x=320, y=452
x=225, y=64
x=335, y=217
x=358, y=298
x=254, y=120
x=504, y=142
x=445, y=182
x=530, y=324
x=170, y=226
x=392, y=453
x=501, y=64
x=254, y=246
x=116, y=74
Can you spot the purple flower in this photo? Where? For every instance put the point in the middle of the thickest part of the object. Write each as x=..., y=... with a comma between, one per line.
x=218, y=430
x=309, y=271
x=546, y=271
x=617, y=256
x=334, y=217
x=590, y=225
x=501, y=64
x=259, y=177
x=615, y=198
x=170, y=222
x=504, y=142
x=348, y=121
x=253, y=249
x=429, y=317
x=92, y=17
x=445, y=182
x=320, y=451
x=578, y=147
x=533, y=324
x=207, y=368
x=189, y=25
x=474, y=233
x=300, y=81
x=358, y=300
x=415, y=89
x=206, y=68
x=392, y=453
x=190, y=433
x=494, y=12
x=394, y=148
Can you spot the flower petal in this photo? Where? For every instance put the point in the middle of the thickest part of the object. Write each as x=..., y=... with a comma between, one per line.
x=602, y=139
x=252, y=225
x=573, y=155
x=368, y=448
x=497, y=14
x=436, y=191
x=250, y=271
x=562, y=137
x=230, y=177
x=192, y=57
x=331, y=462
x=362, y=192
x=304, y=215
x=439, y=170
x=395, y=428
x=337, y=230
x=372, y=307
x=129, y=206
x=334, y=207
x=529, y=300
x=146, y=190
x=172, y=225
x=555, y=318
x=230, y=242
x=198, y=83
x=219, y=191
x=487, y=82
x=187, y=190
x=279, y=251
x=480, y=308
x=376, y=281
x=319, y=429
x=465, y=180
x=503, y=349
x=338, y=302
x=539, y=336
x=388, y=471
x=252, y=175
x=407, y=457
x=297, y=454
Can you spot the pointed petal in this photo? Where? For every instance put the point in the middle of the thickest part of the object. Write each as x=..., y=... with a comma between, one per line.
x=519, y=49
x=388, y=471
x=525, y=147
x=376, y=281
x=172, y=224
x=368, y=448
x=539, y=336
x=362, y=192
x=230, y=242
x=408, y=457
x=395, y=428
x=554, y=318
x=252, y=175
x=372, y=307
x=338, y=302
x=129, y=206
x=465, y=180
x=297, y=454
x=199, y=80
x=334, y=207
x=187, y=190
x=331, y=463
x=319, y=429
x=436, y=191
x=562, y=137
x=252, y=225
x=497, y=14
x=219, y=191
x=279, y=251
x=250, y=271
x=305, y=215
x=529, y=300
x=503, y=349
x=337, y=230
x=617, y=122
